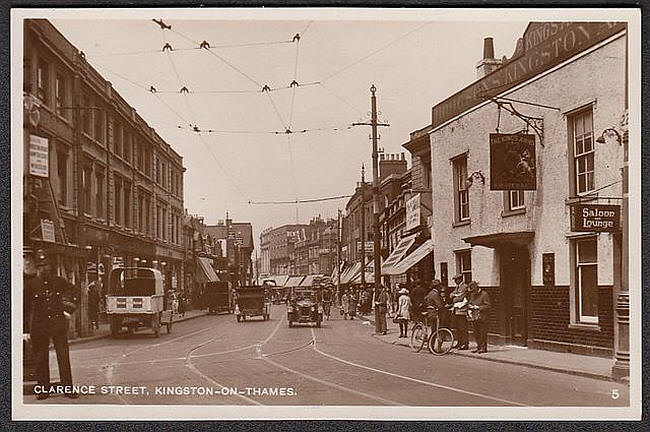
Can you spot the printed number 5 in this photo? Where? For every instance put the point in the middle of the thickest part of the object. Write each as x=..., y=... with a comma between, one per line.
x=615, y=394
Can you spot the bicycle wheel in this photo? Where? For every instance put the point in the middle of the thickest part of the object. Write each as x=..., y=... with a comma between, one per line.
x=418, y=338
x=441, y=341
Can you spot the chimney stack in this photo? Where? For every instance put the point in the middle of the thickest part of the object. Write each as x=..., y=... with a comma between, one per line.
x=393, y=164
x=488, y=63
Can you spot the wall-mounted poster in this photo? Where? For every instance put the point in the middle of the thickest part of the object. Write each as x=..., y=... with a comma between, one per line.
x=512, y=162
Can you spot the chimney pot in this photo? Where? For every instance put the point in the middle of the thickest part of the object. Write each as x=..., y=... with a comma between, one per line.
x=488, y=48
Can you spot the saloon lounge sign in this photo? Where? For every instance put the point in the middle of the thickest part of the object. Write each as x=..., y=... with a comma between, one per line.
x=595, y=218
x=543, y=46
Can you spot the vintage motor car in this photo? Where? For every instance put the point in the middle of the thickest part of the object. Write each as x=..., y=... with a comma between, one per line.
x=305, y=306
x=218, y=297
x=136, y=299
x=251, y=301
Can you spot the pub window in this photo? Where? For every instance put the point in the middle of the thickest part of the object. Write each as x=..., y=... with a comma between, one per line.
x=586, y=280
x=515, y=200
x=99, y=197
x=43, y=81
x=62, y=173
x=581, y=133
x=461, y=194
x=464, y=265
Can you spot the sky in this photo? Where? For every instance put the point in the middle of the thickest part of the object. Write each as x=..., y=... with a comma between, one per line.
x=414, y=63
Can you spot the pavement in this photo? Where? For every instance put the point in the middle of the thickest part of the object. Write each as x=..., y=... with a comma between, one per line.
x=572, y=364
x=104, y=329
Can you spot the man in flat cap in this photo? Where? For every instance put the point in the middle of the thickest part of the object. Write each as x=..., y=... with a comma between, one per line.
x=52, y=302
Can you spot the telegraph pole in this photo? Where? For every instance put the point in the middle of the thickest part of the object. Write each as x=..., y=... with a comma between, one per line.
x=375, y=201
x=338, y=254
x=375, y=194
x=363, y=226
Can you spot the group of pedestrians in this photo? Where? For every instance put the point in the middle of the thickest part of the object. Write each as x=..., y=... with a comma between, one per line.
x=467, y=303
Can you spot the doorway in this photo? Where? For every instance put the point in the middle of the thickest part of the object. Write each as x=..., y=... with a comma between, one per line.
x=515, y=289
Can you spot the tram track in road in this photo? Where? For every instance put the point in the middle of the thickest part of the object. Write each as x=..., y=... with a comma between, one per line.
x=411, y=379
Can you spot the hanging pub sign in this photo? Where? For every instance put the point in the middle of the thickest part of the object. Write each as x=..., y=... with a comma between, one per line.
x=512, y=162
x=595, y=218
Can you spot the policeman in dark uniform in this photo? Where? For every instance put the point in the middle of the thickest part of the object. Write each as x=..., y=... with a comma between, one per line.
x=53, y=300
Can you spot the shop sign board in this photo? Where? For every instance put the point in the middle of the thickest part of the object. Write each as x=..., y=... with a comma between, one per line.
x=47, y=230
x=38, y=156
x=543, y=46
x=412, y=212
x=512, y=162
x=595, y=218
x=370, y=246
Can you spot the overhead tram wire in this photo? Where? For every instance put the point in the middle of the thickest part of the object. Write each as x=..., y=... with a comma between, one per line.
x=367, y=56
x=178, y=77
x=226, y=173
x=298, y=201
x=143, y=88
x=341, y=99
x=258, y=132
x=196, y=48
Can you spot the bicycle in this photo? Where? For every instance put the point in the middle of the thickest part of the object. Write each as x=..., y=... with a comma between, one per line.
x=439, y=341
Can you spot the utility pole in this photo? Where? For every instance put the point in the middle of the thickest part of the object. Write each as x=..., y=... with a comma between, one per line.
x=363, y=227
x=375, y=201
x=338, y=254
x=375, y=194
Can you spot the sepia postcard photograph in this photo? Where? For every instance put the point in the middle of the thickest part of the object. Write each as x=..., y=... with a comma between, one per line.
x=326, y=213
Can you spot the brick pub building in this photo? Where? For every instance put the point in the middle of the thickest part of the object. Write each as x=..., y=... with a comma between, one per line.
x=552, y=286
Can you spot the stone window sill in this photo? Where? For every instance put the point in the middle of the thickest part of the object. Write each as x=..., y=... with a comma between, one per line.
x=461, y=223
x=508, y=213
x=585, y=326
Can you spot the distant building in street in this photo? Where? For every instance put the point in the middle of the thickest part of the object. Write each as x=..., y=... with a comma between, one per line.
x=101, y=187
x=276, y=247
x=236, y=240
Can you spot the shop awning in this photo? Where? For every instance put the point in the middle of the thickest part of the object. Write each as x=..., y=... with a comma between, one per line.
x=350, y=273
x=398, y=253
x=307, y=281
x=294, y=281
x=279, y=280
x=370, y=275
x=207, y=273
x=418, y=254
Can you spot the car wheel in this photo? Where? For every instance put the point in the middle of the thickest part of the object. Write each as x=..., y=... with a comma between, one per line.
x=290, y=324
x=238, y=318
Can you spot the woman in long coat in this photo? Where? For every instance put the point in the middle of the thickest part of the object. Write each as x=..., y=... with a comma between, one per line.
x=404, y=312
x=345, y=304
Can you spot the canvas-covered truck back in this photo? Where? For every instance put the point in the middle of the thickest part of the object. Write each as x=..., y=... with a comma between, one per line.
x=136, y=298
x=251, y=301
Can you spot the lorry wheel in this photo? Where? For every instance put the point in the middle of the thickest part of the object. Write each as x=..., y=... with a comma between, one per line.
x=290, y=324
x=116, y=326
x=238, y=318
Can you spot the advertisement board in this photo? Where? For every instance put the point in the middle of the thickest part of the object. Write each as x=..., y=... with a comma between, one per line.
x=38, y=156
x=413, y=212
